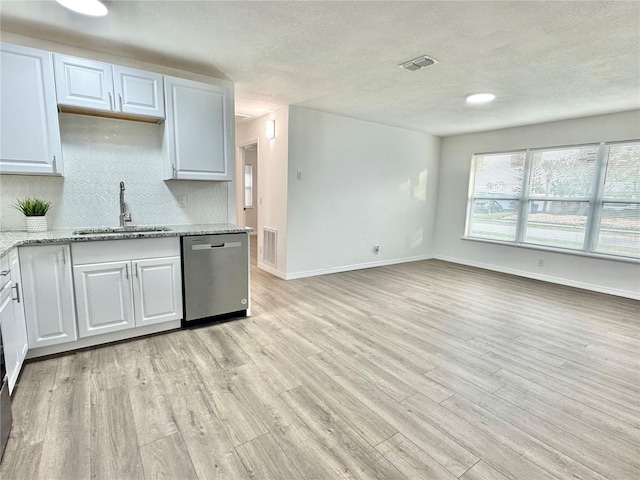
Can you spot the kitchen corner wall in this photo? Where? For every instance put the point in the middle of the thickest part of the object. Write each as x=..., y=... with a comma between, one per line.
x=98, y=154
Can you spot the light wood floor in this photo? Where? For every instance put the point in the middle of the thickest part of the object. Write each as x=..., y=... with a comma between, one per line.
x=426, y=370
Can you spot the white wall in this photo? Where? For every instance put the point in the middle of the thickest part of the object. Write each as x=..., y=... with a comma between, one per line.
x=616, y=277
x=272, y=180
x=98, y=153
x=362, y=184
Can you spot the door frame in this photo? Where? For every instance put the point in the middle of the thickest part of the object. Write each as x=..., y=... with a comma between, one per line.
x=240, y=183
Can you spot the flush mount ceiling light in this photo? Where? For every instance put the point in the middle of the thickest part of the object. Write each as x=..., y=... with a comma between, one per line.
x=418, y=63
x=478, y=98
x=93, y=8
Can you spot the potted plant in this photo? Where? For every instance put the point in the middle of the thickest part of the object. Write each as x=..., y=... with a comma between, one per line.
x=34, y=211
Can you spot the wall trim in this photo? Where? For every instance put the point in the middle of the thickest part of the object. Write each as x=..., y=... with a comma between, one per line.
x=545, y=278
x=272, y=271
x=356, y=266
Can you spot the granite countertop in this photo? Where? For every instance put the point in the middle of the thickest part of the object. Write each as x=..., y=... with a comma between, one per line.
x=11, y=239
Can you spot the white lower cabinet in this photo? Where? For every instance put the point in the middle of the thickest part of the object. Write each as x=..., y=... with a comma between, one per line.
x=14, y=333
x=118, y=295
x=20, y=342
x=48, y=294
x=157, y=290
x=103, y=298
x=8, y=328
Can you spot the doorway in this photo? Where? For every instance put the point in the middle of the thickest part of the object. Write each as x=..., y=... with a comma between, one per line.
x=250, y=186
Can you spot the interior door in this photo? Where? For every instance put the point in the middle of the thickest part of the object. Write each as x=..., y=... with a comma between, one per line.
x=250, y=191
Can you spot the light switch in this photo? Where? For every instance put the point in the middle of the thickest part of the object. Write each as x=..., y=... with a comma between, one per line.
x=182, y=201
x=299, y=175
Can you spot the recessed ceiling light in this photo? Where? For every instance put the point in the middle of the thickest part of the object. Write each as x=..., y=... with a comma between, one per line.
x=481, y=98
x=93, y=8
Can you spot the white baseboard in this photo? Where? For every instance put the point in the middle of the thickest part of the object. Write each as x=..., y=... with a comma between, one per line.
x=357, y=266
x=545, y=278
x=272, y=271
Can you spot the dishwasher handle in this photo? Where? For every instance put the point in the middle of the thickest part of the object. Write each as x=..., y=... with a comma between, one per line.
x=209, y=246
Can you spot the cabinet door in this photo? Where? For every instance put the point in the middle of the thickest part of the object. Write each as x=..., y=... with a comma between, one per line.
x=28, y=113
x=83, y=83
x=22, y=344
x=157, y=290
x=103, y=297
x=138, y=92
x=9, y=336
x=48, y=294
x=198, y=131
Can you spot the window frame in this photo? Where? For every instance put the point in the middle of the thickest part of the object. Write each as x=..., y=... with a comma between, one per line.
x=595, y=201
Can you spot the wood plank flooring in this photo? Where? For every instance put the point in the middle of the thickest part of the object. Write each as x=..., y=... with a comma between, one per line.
x=426, y=370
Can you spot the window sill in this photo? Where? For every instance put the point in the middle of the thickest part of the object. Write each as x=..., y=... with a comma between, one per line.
x=530, y=246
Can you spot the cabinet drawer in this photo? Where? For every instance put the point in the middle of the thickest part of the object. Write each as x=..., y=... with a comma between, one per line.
x=116, y=250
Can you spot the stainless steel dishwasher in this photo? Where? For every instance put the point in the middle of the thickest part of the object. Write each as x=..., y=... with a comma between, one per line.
x=215, y=275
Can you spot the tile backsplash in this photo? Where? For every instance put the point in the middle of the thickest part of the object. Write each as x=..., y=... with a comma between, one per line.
x=98, y=154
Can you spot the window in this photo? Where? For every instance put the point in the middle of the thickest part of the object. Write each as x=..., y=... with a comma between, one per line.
x=248, y=186
x=497, y=184
x=584, y=198
x=618, y=225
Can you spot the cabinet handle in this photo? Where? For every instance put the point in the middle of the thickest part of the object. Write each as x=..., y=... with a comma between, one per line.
x=17, y=287
x=111, y=103
x=120, y=98
x=4, y=273
x=64, y=257
x=173, y=170
x=136, y=267
x=55, y=164
x=126, y=268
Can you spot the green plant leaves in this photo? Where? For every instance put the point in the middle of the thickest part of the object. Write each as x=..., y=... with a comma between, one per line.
x=33, y=207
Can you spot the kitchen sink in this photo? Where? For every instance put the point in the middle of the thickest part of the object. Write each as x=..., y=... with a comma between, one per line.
x=122, y=230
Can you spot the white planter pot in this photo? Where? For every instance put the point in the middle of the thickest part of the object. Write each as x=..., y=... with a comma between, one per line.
x=36, y=224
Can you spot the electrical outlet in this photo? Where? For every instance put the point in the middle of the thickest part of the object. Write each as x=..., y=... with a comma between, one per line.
x=182, y=201
x=299, y=174
x=376, y=249
x=260, y=250
x=541, y=262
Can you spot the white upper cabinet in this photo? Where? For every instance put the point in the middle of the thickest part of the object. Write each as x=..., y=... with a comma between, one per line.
x=138, y=92
x=198, y=131
x=28, y=114
x=84, y=83
x=102, y=87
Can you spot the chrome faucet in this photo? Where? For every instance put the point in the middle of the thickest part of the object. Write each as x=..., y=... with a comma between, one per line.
x=124, y=217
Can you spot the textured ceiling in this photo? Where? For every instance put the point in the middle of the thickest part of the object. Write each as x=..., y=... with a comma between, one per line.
x=543, y=60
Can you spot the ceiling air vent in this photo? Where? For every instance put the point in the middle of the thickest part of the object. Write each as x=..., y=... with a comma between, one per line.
x=418, y=63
